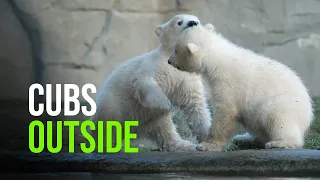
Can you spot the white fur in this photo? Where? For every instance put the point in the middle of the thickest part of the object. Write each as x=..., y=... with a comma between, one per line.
x=267, y=97
x=145, y=88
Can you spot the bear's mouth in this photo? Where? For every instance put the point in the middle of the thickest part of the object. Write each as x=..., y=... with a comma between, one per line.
x=175, y=66
x=178, y=67
x=188, y=27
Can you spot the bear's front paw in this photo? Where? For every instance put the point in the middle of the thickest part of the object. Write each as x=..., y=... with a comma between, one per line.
x=281, y=145
x=163, y=104
x=182, y=146
x=204, y=146
x=155, y=100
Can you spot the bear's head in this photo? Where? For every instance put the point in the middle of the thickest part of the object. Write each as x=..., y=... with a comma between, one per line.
x=169, y=31
x=190, y=48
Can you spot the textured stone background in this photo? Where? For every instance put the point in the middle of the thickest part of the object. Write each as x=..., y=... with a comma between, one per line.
x=82, y=41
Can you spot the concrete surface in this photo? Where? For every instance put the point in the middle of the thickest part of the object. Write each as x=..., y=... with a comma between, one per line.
x=262, y=163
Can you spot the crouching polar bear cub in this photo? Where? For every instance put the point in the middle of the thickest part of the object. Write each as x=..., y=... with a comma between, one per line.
x=146, y=87
x=267, y=97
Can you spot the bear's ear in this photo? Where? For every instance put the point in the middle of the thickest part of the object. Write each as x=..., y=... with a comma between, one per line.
x=193, y=48
x=158, y=30
x=210, y=27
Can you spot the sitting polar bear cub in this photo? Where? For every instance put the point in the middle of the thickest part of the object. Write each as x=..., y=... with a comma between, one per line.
x=267, y=97
x=145, y=88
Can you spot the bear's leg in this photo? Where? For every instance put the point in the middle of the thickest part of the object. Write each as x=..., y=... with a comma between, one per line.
x=150, y=95
x=164, y=133
x=198, y=118
x=105, y=113
x=193, y=103
x=225, y=119
x=98, y=116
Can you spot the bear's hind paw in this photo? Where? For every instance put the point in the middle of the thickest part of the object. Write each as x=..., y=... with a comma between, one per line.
x=281, y=144
x=204, y=146
x=183, y=146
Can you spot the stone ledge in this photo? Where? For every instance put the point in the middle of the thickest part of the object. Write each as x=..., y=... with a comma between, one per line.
x=276, y=162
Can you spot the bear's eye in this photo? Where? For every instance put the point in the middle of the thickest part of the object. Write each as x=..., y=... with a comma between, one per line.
x=180, y=22
x=175, y=51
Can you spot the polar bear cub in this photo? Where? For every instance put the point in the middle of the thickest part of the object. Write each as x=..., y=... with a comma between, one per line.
x=145, y=88
x=267, y=97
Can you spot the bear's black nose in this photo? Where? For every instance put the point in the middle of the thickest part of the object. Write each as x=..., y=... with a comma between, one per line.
x=192, y=23
x=169, y=62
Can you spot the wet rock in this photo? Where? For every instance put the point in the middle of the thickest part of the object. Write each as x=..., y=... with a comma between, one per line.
x=276, y=162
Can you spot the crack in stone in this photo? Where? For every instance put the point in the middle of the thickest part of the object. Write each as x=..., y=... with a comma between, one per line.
x=284, y=42
x=55, y=6
x=276, y=31
x=305, y=14
x=104, y=31
x=152, y=12
x=179, y=6
x=72, y=65
x=88, y=10
x=95, y=40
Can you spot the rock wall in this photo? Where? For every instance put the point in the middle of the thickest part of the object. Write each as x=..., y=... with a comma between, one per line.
x=16, y=63
x=82, y=41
